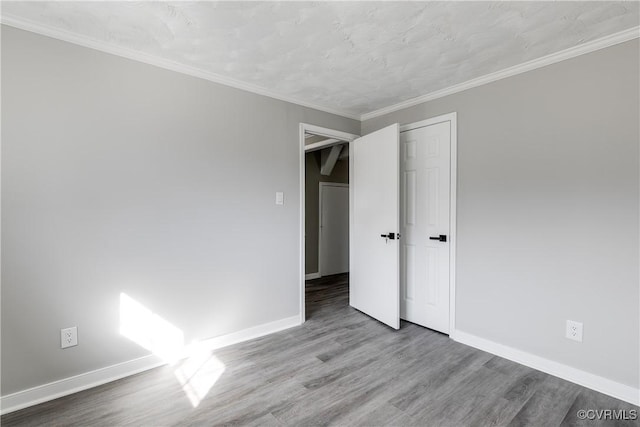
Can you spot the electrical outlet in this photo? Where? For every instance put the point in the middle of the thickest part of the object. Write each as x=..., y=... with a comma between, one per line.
x=68, y=337
x=574, y=330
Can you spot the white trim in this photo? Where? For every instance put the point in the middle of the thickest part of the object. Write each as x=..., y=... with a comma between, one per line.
x=44, y=393
x=331, y=134
x=249, y=333
x=315, y=146
x=351, y=217
x=320, y=188
x=312, y=276
x=449, y=117
x=91, y=43
x=453, y=218
x=452, y=118
x=588, y=47
x=577, y=376
x=70, y=37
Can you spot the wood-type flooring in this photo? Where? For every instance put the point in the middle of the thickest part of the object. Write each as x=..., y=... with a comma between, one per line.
x=340, y=368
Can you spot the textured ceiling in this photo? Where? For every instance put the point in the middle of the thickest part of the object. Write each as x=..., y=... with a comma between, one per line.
x=355, y=57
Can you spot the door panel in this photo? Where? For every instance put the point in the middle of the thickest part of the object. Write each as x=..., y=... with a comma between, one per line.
x=334, y=228
x=374, y=269
x=425, y=199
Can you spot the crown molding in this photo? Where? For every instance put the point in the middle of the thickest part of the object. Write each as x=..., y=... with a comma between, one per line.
x=70, y=37
x=572, y=52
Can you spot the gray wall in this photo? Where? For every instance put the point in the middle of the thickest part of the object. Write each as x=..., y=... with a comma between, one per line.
x=548, y=209
x=122, y=177
x=313, y=179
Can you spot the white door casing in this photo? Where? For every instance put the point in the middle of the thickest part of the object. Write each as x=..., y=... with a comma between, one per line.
x=332, y=135
x=379, y=297
x=425, y=217
x=333, y=233
x=374, y=260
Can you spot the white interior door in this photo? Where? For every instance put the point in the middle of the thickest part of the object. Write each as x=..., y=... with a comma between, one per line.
x=374, y=275
x=334, y=228
x=425, y=200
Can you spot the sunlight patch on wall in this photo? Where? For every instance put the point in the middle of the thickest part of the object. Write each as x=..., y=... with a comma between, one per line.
x=197, y=372
x=149, y=330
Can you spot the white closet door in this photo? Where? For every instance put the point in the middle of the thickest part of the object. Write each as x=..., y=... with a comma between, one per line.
x=425, y=201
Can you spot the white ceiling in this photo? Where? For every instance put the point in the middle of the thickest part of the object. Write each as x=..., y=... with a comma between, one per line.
x=352, y=57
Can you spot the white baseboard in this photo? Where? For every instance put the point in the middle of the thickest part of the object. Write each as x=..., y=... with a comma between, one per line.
x=577, y=376
x=312, y=276
x=250, y=333
x=46, y=392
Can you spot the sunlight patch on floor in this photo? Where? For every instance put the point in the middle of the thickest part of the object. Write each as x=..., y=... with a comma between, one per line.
x=197, y=374
x=198, y=369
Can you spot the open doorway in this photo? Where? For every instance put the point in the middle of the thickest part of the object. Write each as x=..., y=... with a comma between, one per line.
x=324, y=216
x=326, y=213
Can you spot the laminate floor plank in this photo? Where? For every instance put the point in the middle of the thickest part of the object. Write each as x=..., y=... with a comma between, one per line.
x=246, y=406
x=507, y=400
x=448, y=367
x=612, y=412
x=454, y=400
x=548, y=405
x=341, y=368
x=384, y=415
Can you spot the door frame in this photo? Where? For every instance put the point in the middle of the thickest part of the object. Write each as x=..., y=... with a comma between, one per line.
x=330, y=134
x=321, y=186
x=453, y=119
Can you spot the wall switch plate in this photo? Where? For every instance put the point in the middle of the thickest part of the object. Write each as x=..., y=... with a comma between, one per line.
x=69, y=337
x=279, y=198
x=574, y=330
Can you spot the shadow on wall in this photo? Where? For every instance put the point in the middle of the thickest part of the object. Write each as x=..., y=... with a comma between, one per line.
x=197, y=369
